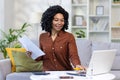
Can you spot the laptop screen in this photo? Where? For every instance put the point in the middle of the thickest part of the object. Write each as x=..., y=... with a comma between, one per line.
x=101, y=61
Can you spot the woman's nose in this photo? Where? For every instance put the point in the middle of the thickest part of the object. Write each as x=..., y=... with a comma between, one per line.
x=59, y=22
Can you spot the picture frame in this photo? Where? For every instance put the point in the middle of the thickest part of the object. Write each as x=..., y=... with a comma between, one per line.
x=78, y=20
x=99, y=10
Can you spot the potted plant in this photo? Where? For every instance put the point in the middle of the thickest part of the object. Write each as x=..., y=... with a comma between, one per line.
x=80, y=34
x=10, y=39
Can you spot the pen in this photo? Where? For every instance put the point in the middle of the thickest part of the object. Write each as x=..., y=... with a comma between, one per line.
x=66, y=77
x=77, y=69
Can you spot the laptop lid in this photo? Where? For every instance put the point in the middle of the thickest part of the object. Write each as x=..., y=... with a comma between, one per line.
x=101, y=61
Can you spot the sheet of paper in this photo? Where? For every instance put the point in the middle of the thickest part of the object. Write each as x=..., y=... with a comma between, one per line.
x=30, y=46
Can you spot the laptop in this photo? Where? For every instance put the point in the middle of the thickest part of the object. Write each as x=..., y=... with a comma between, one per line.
x=101, y=62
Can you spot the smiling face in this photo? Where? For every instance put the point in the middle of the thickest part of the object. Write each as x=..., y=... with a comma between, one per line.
x=58, y=22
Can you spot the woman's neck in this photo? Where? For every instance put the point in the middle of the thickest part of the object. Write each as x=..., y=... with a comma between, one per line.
x=54, y=35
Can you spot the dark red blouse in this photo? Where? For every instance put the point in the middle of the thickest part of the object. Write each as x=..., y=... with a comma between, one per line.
x=60, y=53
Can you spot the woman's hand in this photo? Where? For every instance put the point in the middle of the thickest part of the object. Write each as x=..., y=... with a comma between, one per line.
x=28, y=53
x=79, y=68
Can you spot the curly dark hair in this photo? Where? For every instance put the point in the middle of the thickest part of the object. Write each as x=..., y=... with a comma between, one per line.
x=48, y=16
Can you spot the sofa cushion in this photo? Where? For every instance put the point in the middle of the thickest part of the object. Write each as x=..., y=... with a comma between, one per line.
x=84, y=50
x=116, y=63
x=100, y=46
x=9, y=52
x=21, y=62
x=19, y=76
x=24, y=64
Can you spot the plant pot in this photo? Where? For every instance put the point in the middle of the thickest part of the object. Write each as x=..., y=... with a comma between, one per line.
x=78, y=36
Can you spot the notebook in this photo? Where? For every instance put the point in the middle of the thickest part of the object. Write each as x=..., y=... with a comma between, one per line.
x=101, y=62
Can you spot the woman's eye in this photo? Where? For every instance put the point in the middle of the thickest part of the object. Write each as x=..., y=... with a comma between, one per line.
x=56, y=20
x=62, y=20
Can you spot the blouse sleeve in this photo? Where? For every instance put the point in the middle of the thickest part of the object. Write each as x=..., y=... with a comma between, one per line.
x=40, y=40
x=73, y=53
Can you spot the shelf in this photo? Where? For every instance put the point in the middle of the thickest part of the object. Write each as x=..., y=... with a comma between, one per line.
x=98, y=31
x=79, y=16
x=79, y=5
x=101, y=16
x=115, y=4
x=99, y=36
x=81, y=27
x=115, y=39
x=115, y=27
x=102, y=19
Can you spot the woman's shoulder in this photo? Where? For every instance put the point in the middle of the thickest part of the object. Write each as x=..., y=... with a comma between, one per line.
x=44, y=34
x=69, y=34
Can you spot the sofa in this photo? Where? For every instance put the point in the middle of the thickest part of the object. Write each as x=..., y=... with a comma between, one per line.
x=85, y=48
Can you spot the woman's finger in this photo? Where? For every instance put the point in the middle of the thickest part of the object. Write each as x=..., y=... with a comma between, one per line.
x=28, y=53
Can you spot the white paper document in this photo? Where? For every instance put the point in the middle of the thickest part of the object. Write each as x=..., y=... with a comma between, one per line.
x=30, y=46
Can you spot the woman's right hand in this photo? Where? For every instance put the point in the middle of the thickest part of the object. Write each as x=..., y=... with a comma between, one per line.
x=28, y=53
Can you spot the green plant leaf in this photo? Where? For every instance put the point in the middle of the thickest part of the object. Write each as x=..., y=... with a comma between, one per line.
x=10, y=39
x=80, y=34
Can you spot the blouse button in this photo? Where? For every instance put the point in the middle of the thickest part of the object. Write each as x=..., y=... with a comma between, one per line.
x=52, y=48
x=53, y=54
x=61, y=47
x=54, y=59
x=56, y=65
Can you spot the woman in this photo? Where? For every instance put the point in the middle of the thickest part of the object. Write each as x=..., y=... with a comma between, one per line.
x=58, y=45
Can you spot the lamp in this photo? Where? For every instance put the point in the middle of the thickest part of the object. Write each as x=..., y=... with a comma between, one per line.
x=35, y=29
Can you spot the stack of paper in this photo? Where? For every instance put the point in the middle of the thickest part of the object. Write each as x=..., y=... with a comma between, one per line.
x=30, y=46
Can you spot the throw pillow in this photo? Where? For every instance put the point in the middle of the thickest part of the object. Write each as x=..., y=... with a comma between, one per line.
x=22, y=63
x=9, y=52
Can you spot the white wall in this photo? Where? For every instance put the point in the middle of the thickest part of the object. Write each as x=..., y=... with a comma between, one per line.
x=13, y=13
x=8, y=14
x=24, y=8
x=1, y=14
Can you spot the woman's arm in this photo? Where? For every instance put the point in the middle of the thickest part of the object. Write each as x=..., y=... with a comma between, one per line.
x=75, y=59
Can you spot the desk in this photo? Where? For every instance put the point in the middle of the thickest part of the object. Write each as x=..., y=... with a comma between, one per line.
x=54, y=75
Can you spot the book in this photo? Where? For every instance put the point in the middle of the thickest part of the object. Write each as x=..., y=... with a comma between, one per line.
x=30, y=46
